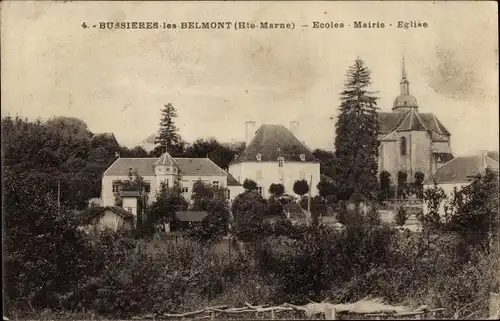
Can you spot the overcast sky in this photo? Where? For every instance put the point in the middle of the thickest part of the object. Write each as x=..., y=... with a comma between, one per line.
x=118, y=80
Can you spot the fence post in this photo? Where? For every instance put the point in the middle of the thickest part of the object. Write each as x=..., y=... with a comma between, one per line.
x=272, y=315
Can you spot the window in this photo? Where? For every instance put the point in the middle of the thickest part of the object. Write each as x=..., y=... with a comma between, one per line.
x=116, y=186
x=228, y=194
x=184, y=189
x=402, y=146
x=129, y=209
x=302, y=157
x=278, y=149
x=147, y=187
x=259, y=190
x=280, y=161
x=259, y=157
x=168, y=169
x=215, y=184
x=259, y=174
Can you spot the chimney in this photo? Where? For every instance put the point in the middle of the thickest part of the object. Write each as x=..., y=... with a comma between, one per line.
x=249, y=131
x=294, y=128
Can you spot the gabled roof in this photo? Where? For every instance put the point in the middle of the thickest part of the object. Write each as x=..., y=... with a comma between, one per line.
x=191, y=216
x=87, y=216
x=199, y=167
x=273, y=141
x=412, y=120
x=145, y=166
x=122, y=166
x=461, y=169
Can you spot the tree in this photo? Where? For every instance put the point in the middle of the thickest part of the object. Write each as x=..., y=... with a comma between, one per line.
x=418, y=184
x=401, y=216
x=248, y=210
x=214, y=201
x=45, y=255
x=167, y=137
x=476, y=205
x=385, y=185
x=326, y=188
x=327, y=162
x=356, y=141
x=211, y=148
x=249, y=185
x=402, y=184
x=433, y=199
x=301, y=187
x=277, y=190
x=167, y=202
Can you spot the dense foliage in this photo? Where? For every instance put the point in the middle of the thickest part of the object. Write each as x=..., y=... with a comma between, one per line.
x=356, y=140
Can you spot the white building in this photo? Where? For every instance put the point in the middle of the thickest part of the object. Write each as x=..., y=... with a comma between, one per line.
x=459, y=172
x=274, y=154
x=166, y=169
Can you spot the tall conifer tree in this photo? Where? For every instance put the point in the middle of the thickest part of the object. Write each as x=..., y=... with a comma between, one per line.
x=167, y=137
x=356, y=142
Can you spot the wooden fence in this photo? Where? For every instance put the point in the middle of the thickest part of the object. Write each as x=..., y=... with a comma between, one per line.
x=362, y=310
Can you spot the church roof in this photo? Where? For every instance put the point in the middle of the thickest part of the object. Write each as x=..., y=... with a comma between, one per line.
x=412, y=120
x=273, y=141
x=461, y=169
x=145, y=166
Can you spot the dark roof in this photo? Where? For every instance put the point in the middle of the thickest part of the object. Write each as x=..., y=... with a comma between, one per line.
x=198, y=166
x=231, y=181
x=122, y=166
x=461, y=169
x=191, y=216
x=88, y=215
x=493, y=155
x=412, y=120
x=273, y=141
x=145, y=166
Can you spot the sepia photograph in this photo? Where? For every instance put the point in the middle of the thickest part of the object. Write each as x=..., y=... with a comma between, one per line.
x=261, y=160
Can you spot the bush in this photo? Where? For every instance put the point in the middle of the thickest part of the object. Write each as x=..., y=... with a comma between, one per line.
x=401, y=216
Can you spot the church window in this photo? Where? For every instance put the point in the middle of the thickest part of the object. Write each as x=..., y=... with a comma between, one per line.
x=402, y=146
x=302, y=157
x=259, y=157
x=280, y=161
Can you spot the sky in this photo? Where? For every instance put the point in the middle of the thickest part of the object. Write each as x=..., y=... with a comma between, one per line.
x=118, y=80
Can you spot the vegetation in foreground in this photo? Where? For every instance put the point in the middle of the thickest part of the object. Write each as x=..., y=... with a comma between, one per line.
x=51, y=267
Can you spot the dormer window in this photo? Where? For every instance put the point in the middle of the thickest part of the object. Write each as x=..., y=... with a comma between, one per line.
x=259, y=157
x=281, y=161
x=278, y=149
x=302, y=157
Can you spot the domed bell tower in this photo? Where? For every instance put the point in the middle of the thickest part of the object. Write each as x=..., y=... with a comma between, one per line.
x=405, y=101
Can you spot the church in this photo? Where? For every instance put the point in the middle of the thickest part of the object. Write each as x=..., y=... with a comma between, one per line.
x=411, y=141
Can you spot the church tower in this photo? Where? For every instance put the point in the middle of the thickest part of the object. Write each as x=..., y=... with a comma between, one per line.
x=405, y=101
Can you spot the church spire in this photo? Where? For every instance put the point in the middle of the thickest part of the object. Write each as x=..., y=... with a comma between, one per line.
x=404, y=84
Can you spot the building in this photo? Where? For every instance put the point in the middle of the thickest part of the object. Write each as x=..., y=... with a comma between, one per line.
x=109, y=217
x=166, y=169
x=411, y=141
x=460, y=171
x=274, y=154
